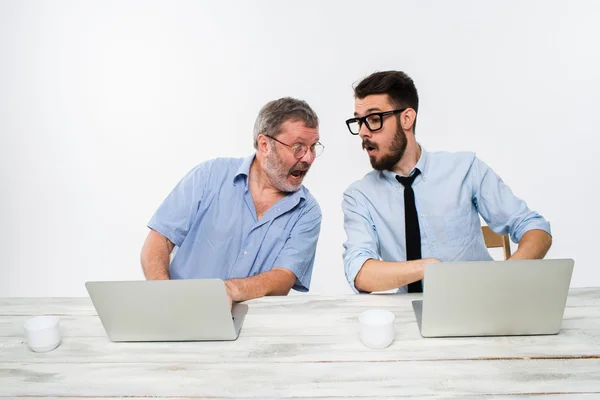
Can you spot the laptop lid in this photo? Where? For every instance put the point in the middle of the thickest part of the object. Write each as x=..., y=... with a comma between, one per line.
x=494, y=298
x=168, y=310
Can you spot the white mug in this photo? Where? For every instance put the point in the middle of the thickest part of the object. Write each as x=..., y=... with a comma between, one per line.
x=43, y=333
x=376, y=328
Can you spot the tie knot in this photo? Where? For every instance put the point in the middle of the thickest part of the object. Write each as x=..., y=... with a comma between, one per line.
x=407, y=181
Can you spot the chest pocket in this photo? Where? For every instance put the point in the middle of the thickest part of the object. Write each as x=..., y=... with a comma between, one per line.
x=453, y=227
x=458, y=225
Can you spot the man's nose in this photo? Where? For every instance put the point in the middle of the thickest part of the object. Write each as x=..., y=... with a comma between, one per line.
x=308, y=157
x=364, y=132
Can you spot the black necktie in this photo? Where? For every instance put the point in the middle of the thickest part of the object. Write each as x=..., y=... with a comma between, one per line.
x=411, y=221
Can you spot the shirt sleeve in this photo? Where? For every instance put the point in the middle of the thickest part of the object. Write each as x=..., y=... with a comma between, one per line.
x=504, y=212
x=298, y=253
x=362, y=242
x=177, y=212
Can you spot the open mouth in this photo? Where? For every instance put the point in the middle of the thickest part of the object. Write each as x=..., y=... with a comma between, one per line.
x=298, y=174
x=298, y=171
x=369, y=147
x=370, y=150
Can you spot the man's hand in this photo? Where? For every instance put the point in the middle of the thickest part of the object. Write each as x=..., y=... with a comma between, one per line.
x=230, y=288
x=276, y=282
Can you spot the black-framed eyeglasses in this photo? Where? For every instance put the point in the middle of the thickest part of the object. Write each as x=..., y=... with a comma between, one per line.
x=301, y=149
x=373, y=121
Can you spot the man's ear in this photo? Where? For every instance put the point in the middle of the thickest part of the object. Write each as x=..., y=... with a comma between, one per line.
x=407, y=119
x=263, y=143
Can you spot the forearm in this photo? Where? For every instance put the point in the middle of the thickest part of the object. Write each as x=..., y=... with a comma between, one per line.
x=155, y=256
x=276, y=282
x=376, y=276
x=156, y=269
x=534, y=244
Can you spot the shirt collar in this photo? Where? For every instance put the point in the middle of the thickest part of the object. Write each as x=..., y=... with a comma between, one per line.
x=244, y=168
x=422, y=165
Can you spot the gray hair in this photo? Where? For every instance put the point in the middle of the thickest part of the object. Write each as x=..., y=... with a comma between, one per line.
x=275, y=113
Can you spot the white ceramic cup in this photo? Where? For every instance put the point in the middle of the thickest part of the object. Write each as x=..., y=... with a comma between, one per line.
x=43, y=333
x=376, y=328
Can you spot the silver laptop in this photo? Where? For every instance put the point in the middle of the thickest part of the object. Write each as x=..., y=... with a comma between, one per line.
x=493, y=298
x=170, y=310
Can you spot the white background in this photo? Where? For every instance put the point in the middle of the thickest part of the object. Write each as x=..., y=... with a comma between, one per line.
x=105, y=105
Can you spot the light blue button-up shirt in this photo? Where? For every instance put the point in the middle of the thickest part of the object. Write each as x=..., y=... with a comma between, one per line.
x=450, y=193
x=210, y=216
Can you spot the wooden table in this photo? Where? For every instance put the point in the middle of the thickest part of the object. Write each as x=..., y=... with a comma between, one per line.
x=301, y=346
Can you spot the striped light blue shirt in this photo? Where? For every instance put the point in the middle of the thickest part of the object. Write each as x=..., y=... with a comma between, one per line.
x=451, y=192
x=210, y=216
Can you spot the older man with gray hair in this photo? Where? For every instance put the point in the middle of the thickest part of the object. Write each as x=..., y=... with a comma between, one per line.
x=248, y=221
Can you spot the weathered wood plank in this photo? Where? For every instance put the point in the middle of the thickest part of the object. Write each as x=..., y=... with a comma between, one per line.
x=320, y=379
x=309, y=348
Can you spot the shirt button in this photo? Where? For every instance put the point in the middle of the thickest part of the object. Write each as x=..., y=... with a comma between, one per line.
x=245, y=252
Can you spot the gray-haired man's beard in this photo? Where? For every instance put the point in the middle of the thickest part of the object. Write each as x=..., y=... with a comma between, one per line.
x=279, y=176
